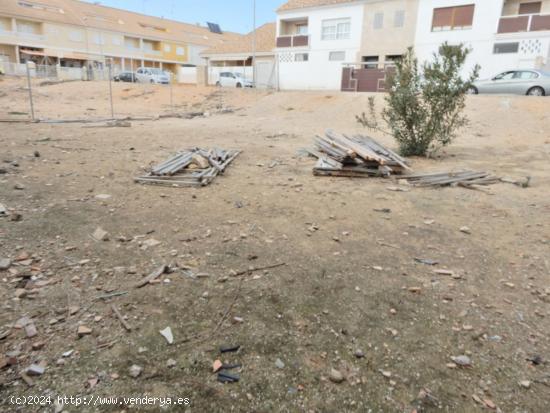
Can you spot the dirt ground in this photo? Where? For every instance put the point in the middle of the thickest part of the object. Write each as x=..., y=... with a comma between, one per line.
x=350, y=295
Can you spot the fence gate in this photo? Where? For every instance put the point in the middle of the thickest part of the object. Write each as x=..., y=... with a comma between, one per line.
x=364, y=80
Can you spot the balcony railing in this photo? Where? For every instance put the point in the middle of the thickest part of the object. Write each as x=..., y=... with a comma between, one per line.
x=31, y=36
x=299, y=40
x=524, y=23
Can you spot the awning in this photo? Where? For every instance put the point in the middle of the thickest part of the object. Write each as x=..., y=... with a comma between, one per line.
x=32, y=52
x=57, y=53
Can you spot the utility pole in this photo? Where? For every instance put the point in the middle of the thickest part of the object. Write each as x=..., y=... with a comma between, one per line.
x=254, y=77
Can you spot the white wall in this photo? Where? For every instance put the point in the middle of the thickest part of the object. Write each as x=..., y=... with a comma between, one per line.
x=187, y=75
x=481, y=38
x=319, y=73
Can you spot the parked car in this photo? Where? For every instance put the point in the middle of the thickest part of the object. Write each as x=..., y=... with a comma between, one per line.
x=517, y=82
x=152, y=75
x=129, y=77
x=231, y=79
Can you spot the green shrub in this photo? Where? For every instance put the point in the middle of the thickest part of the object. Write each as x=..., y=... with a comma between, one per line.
x=425, y=106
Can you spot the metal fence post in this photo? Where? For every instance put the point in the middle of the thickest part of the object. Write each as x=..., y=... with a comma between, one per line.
x=171, y=93
x=30, y=90
x=111, y=93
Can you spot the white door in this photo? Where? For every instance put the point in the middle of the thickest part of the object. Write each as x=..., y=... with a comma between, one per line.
x=265, y=74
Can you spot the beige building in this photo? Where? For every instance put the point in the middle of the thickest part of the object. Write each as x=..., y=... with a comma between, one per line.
x=72, y=33
x=389, y=28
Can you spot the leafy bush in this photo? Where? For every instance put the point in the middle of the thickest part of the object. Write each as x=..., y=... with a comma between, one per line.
x=425, y=107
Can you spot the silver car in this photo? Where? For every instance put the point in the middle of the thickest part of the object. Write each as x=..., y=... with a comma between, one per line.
x=518, y=82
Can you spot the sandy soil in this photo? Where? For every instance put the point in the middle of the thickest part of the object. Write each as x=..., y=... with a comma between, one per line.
x=349, y=285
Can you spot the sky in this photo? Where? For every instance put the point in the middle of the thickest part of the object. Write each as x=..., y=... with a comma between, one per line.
x=232, y=15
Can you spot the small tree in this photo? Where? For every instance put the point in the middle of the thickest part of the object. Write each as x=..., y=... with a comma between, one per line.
x=425, y=110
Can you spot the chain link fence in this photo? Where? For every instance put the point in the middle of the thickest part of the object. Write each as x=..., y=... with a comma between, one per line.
x=49, y=93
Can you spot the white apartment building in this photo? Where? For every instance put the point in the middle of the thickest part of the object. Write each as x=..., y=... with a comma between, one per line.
x=313, y=43
x=503, y=34
x=318, y=39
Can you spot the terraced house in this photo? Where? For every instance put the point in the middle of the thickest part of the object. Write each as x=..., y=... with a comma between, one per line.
x=327, y=44
x=70, y=33
x=503, y=34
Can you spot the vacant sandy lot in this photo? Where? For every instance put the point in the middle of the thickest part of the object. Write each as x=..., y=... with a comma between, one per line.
x=350, y=287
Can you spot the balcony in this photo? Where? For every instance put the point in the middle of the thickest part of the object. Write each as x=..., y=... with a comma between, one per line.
x=524, y=23
x=299, y=40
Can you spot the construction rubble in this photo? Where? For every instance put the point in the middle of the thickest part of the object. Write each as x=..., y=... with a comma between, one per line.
x=196, y=167
x=466, y=179
x=356, y=156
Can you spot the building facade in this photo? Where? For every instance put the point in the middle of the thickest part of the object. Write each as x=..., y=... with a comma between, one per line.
x=317, y=39
x=72, y=33
x=502, y=34
x=251, y=55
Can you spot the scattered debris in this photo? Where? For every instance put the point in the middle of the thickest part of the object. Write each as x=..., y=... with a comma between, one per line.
x=5, y=263
x=135, y=371
x=426, y=261
x=466, y=179
x=163, y=269
x=3, y=210
x=357, y=156
x=229, y=349
x=336, y=376
x=196, y=167
x=462, y=361
x=83, y=331
x=167, y=334
x=217, y=366
x=35, y=370
x=526, y=384
x=225, y=377
x=466, y=230
x=279, y=364
x=120, y=318
x=100, y=235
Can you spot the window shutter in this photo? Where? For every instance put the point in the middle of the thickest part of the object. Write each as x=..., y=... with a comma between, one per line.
x=464, y=16
x=443, y=17
x=534, y=7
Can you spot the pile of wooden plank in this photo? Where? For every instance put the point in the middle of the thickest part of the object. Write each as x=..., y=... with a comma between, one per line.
x=468, y=179
x=356, y=156
x=195, y=167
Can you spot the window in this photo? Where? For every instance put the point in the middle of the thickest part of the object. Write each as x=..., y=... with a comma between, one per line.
x=117, y=41
x=167, y=48
x=391, y=59
x=301, y=57
x=505, y=76
x=337, y=56
x=301, y=29
x=453, y=18
x=371, y=62
x=501, y=48
x=525, y=75
x=336, y=29
x=399, y=18
x=98, y=38
x=533, y=7
x=180, y=51
x=378, y=21
x=76, y=36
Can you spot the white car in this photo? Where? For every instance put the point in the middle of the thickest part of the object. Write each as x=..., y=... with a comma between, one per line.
x=231, y=79
x=152, y=75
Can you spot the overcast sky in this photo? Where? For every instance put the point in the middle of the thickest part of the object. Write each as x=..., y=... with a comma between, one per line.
x=232, y=15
